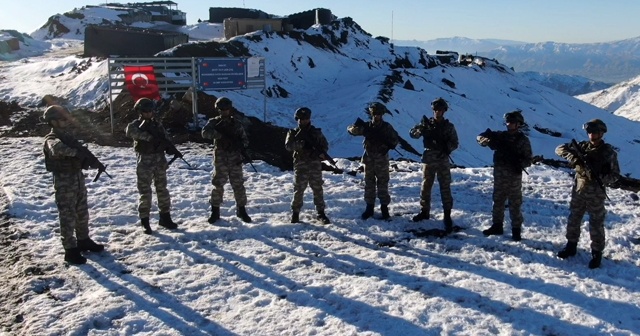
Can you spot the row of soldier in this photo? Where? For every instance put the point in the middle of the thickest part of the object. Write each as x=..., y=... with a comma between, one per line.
x=594, y=161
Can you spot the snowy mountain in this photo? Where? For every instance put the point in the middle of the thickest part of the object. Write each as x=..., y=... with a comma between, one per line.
x=609, y=62
x=571, y=85
x=351, y=277
x=622, y=99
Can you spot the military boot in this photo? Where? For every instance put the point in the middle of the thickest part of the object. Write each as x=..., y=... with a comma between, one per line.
x=323, y=217
x=568, y=251
x=422, y=215
x=368, y=212
x=165, y=221
x=241, y=212
x=145, y=225
x=74, y=256
x=596, y=259
x=516, y=234
x=495, y=229
x=448, y=223
x=384, y=209
x=295, y=217
x=215, y=215
x=89, y=245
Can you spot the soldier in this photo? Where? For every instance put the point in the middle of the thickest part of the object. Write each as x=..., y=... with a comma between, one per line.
x=439, y=139
x=512, y=154
x=65, y=160
x=309, y=147
x=150, y=141
x=379, y=138
x=230, y=142
x=596, y=165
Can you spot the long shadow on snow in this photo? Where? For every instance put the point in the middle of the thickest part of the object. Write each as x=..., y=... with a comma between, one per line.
x=181, y=315
x=596, y=307
x=302, y=295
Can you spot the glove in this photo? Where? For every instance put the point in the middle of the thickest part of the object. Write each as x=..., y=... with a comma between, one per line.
x=483, y=141
x=573, y=161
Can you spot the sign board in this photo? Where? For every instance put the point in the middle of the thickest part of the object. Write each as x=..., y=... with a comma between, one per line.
x=222, y=73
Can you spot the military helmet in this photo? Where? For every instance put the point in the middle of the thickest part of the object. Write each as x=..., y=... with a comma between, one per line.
x=223, y=103
x=303, y=113
x=55, y=112
x=595, y=125
x=439, y=104
x=144, y=105
x=514, y=116
x=377, y=108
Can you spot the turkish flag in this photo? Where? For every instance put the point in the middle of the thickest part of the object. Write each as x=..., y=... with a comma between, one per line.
x=141, y=82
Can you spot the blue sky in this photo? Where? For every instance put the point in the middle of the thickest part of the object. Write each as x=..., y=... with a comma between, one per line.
x=570, y=21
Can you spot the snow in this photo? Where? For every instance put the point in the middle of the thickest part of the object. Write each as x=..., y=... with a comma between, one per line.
x=272, y=277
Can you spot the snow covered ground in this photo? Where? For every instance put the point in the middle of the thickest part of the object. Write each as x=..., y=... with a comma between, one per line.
x=271, y=277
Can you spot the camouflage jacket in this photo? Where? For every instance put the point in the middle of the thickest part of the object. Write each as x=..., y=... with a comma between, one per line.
x=602, y=160
x=510, y=149
x=58, y=156
x=378, y=138
x=439, y=139
x=307, y=144
x=144, y=142
x=227, y=133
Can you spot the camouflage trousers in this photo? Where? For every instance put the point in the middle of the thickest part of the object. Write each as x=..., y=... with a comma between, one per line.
x=591, y=201
x=442, y=170
x=152, y=168
x=376, y=179
x=507, y=186
x=307, y=173
x=227, y=167
x=73, y=212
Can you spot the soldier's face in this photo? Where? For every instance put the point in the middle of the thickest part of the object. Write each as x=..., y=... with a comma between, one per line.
x=147, y=114
x=595, y=137
x=511, y=126
x=304, y=122
x=438, y=113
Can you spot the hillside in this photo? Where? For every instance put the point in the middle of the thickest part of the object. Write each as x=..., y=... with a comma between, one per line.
x=622, y=99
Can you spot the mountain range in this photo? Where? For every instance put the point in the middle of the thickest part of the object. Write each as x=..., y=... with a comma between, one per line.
x=609, y=62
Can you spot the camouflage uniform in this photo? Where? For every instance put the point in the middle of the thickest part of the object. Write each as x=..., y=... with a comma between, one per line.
x=587, y=195
x=229, y=139
x=307, y=144
x=512, y=153
x=70, y=190
x=378, y=140
x=439, y=139
x=151, y=167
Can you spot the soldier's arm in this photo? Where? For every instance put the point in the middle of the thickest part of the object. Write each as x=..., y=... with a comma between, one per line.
x=209, y=132
x=613, y=173
x=453, y=142
x=392, y=136
x=525, y=152
x=289, y=140
x=355, y=130
x=566, y=153
x=321, y=141
x=242, y=134
x=57, y=148
x=135, y=133
x=416, y=131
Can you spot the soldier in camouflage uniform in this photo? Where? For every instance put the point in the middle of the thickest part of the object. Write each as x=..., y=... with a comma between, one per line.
x=309, y=146
x=512, y=154
x=379, y=138
x=230, y=142
x=440, y=139
x=66, y=163
x=149, y=142
x=588, y=194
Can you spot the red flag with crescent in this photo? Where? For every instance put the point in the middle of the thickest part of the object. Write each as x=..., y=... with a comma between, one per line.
x=141, y=82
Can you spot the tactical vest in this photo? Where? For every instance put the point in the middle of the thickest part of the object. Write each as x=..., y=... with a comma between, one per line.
x=147, y=147
x=63, y=164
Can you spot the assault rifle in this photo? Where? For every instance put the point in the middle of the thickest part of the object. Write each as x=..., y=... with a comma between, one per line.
x=219, y=127
x=89, y=160
x=426, y=125
x=313, y=146
x=369, y=131
x=500, y=142
x=165, y=143
x=591, y=174
x=626, y=183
